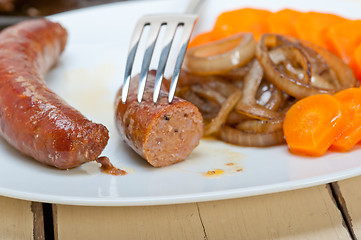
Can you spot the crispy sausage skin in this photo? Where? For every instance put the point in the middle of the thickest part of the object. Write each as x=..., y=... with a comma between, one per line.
x=33, y=118
x=161, y=133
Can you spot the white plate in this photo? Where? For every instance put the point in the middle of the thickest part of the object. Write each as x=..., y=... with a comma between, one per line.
x=88, y=75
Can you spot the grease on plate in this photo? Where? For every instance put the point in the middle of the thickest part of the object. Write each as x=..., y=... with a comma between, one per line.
x=221, y=161
x=214, y=173
x=109, y=168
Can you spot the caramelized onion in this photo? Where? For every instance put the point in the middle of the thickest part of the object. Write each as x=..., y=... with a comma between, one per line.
x=291, y=55
x=237, y=74
x=275, y=99
x=259, y=126
x=258, y=112
x=222, y=87
x=203, y=105
x=209, y=94
x=243, y=90
x=286, y=82
x=251, y=83
x=248, y=104
x=234, y=118
x=220, y=56
x=344, y=74
x=216, y=123
x=317, y=62
x=321, y=82
x=186, y=78
x=238, y=137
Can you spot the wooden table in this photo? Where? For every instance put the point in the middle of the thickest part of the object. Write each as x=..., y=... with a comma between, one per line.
x=329, y=211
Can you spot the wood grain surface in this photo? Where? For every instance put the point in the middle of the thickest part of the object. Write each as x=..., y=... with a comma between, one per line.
x=20, y=219
x=149, y=222
x=349, y=195
x=301, y=214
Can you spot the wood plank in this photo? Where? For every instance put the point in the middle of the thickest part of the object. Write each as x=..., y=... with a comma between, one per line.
x=38, y=220
x=147, y=222
x=349, y=196
x=301, y=214
x=20, y=219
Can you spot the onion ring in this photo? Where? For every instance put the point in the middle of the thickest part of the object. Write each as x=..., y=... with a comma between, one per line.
x=203, y=105
x=290, y=54
x=247, y=104
x=274, y=101
x=238, y=137
x=288, y=83
x=216, y=123
x=344, y=74
x=222, y=87
x=220, y=56
x=208, y=93
x=259, y=126
x=234, y=118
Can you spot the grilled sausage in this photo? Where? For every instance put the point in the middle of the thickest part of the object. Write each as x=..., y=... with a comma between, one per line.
x=161, y=133
x=33, y=118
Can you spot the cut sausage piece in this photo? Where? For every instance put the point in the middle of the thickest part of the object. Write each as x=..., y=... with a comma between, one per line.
x=162, y=133
x=32, y=118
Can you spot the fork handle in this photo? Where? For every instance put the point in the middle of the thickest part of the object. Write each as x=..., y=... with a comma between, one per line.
x=193, y=6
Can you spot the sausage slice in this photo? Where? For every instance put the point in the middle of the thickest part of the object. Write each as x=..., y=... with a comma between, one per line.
x=162, y=133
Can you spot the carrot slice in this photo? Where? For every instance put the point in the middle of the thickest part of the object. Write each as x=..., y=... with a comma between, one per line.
x=242, y=20
x=201, y=39
x=204, y=38
x=283, y=22
x=351, y=110
x=343, y=38
x=312, y=124
x=355, y=63
x=312, y=26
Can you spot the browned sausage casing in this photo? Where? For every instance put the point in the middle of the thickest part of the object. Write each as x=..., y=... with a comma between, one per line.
x=32, y=118
x=161, y=133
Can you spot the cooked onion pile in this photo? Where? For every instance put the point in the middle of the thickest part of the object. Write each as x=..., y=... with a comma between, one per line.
x=244, y=88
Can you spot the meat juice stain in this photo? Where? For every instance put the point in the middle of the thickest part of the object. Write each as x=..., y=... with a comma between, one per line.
x=214, y=173
x=215, y=159
x=109, y=168
x=232, y=164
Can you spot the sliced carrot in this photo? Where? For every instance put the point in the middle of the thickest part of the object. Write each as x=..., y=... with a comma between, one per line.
x=242, y=20
x=313, y=124
x=283, y=22
x=351, y=110
x=201, y=39
x=312, y=26
x=343, y=38
x=355, y=63
x=204, y=38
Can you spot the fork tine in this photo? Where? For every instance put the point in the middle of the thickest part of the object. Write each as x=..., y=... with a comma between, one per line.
x=168, y=40
x=152, y=38
x=131, y=55
x=188, y=26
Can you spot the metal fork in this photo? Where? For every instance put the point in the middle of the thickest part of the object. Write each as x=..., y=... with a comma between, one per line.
x=172, y=21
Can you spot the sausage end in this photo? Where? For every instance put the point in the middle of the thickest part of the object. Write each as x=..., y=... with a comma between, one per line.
x=173, y=134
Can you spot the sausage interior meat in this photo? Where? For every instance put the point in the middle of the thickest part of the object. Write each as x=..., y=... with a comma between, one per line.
x=33, y=118
x=162, y=133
